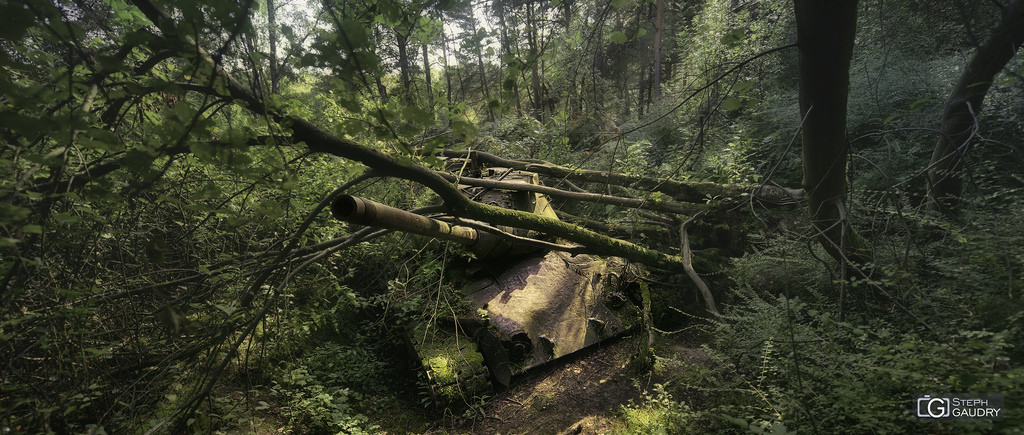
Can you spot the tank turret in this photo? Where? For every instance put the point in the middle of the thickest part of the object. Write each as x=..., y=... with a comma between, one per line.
x=540, y=306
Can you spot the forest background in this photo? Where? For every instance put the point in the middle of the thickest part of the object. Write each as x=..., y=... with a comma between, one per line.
x=848, y=175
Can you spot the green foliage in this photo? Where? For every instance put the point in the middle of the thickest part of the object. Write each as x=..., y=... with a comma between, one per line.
x=857, y=375
x=783, y=266
x=319, y=390
x=658, y=413
x=147, y=207
x=785, y=359
x=527, y=138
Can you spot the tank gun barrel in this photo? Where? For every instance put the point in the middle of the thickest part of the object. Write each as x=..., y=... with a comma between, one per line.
x=354, y=209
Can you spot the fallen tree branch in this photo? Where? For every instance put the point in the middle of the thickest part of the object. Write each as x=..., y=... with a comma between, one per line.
x=519, y=240
x=321, y=141
x=694, y=192
x=709, y=300
x=666, y=207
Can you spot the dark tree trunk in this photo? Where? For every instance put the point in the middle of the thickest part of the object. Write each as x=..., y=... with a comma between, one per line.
x=506, y=50
x=403, y=65
x=483, y=84
x=382, y=90
x=447, y=68
x=531, y=25
x=567, y=14
x=479, y=51
x=430, y=85
x=658, y=25
x=641, y=102
x=959, y=117
x=275, y=76
x=670, y=69
x=825, y=34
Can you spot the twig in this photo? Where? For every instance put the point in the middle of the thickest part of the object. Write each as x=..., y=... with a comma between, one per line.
x=709, y=300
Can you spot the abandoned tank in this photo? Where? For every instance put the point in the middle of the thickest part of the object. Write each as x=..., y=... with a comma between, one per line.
x=523, y=308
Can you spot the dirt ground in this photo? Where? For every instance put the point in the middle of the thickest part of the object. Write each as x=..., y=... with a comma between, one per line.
x=578, y=396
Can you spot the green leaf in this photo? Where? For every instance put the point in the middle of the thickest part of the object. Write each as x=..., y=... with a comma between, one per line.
x=13, y=213
x=743, y=86
x=65, y=218
x=732, y=103
x=619, y=4
x=354, y=34
x=32, y=229
x=915, y=106
x=203, y=151
x=110, y=63
x=352, y=127
x=184, y=111
x=220, y=86
x=92, y=351
x=734, y=37
x=99, y=139
x=417, y=115
x=15, y=19
x=618, y=37
x=270, y=209
x=508, y=84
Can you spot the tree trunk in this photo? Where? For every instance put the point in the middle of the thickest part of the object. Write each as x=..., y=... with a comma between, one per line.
x=403, y=65
x=479, y=50
x=426, y=74
x=825, y=34
x=642, y=94
x=531, y=26
x=382, y=90
x=483, y=84
x=506, y=50
x=959, y=117
x=447, y=68
x=567, y=14
x=658, y=25
x=275, y=77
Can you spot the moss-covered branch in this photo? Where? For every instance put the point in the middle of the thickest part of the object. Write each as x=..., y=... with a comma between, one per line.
x=666, y=206
x=593, y=242
x=693, y=192
x=319, y=140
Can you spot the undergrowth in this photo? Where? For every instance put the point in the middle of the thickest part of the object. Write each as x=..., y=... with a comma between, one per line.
x=787, y=358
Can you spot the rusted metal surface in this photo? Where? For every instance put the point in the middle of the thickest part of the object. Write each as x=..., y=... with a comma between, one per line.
x=533, y=308
x=549, y=306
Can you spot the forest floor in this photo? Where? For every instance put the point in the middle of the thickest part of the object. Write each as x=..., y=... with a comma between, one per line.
x=582, y=395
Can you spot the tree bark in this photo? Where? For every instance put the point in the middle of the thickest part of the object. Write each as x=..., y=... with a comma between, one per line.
x=658, y=27
x=430, y=85
x=693, y=192
x=382, y=90
x=479, y=49
x=637, y=203
x=531, y=26
x=960, y=114
x=403, y=65
x=447, y=68
x=321, y=141
x=510, y=73
x=825, y=35
x=275, y=77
